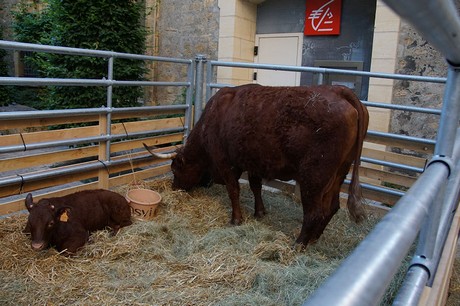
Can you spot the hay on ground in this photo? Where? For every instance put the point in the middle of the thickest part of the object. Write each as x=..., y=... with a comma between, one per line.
x=188, y=255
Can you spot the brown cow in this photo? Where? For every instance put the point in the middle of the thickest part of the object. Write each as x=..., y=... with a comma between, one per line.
x=309, y=134
x=65, y=222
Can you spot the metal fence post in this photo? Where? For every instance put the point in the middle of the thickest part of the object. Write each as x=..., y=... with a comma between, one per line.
x=200, y=59
x=189, y=100
x=424, y=263
x=105, y=125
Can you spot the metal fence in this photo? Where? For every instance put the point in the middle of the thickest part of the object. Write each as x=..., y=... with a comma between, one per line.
x=104, y=136
x=366, y=273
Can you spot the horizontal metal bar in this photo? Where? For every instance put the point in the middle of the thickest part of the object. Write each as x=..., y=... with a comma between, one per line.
x=52, y=144
x=160, y=108
x=16, y=115
x=40, y=114
x=378, y=256
x=12, y=45
x=378, y=189
x=148, y=83
x=22, y=81
x=406, y=108
x=390, y=164
x=147, y=133
x=77, y=168
x=85, y=140
x=402, y=137
x=330, y=71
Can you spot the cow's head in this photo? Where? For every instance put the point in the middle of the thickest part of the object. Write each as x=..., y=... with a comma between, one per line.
x=43, y=217
x=187, y=174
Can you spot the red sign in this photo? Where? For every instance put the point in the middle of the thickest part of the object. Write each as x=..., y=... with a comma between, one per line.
x=323, y=17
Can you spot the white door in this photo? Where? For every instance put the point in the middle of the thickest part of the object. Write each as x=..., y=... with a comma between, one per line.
x=278, y=49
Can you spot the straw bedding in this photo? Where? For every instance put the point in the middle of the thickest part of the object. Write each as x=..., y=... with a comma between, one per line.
x=188, y=255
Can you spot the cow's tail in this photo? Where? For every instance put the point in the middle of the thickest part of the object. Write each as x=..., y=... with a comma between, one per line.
x=355, y=198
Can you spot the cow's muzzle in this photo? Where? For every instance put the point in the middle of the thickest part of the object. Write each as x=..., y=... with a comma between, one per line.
x=38, y=245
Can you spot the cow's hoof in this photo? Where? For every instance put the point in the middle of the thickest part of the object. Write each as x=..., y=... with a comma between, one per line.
x=299, y=247
x=236, y=222
x=259, y=214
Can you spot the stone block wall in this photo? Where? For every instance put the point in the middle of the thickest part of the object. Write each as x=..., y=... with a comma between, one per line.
x=417, y=57
x=184, y=28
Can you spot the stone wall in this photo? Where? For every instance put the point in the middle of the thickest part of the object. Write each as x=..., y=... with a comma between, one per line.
x=417, y=57
x=185, y=28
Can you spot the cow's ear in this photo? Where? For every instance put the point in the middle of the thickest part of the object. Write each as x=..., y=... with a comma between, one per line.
x=63, y=214
x=29, y=202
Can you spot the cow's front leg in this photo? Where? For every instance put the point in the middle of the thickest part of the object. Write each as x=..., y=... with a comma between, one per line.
x=255, y=183
x=233, y=189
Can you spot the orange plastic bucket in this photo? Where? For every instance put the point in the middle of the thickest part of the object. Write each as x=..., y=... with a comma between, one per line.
x=143, y=202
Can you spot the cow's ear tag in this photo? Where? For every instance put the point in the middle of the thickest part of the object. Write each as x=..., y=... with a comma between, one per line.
x=64, y=217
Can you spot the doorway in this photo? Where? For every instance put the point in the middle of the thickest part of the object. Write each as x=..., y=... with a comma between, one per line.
x=278, y=49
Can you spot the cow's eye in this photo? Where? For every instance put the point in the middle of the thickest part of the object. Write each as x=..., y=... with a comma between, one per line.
x=51, y=224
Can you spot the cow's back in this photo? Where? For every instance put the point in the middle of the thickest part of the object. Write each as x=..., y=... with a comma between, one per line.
x=276, y=131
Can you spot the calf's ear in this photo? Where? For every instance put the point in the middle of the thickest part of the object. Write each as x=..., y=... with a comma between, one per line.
x=63, y=214
x=29, y=202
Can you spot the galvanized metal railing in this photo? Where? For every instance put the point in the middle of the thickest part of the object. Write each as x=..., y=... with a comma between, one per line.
x=107, y=137
x=375, y=261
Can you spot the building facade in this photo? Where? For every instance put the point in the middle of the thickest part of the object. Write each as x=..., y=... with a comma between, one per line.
x=370, y=38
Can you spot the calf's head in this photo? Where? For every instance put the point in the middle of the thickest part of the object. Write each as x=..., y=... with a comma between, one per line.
x=43, y=217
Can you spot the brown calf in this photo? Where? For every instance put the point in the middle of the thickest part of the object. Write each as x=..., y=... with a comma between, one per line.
x=65, y=222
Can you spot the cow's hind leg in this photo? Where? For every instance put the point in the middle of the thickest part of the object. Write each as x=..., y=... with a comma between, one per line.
x=331, y=197
x=311, y=216
x=255, y=183
x=318, y=210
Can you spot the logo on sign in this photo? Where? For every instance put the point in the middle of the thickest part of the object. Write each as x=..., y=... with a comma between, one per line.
x=323, y=17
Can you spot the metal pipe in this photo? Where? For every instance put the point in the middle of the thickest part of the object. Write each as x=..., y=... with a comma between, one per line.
x=418, y=275
x=20, y=81
x=407, y=108
x=12, y=45
x=438, y=21
x=450, y=114
x=428, y=249
x=413, y=286
x=331, y=71
x=78, y=168
x=200, y=59
x=189, y=101
x=85, y=140
x=390, y=164
x=402, y=137
x=108, y=126
x=149, y=108
x=377, y=258
x=209, y=76
x=17, y=115
x=392, y=192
